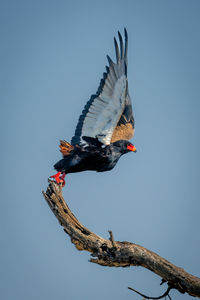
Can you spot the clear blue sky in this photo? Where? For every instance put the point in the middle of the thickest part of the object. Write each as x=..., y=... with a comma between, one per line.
x=53, y=54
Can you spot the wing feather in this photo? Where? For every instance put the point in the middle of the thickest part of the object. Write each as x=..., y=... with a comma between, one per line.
x=117, y=51
x=106, y=111
x=121, y=44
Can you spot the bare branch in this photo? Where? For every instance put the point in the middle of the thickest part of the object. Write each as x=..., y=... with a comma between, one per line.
x=117, y=254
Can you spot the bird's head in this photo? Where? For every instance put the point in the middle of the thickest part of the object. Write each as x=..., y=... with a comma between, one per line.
x=125, y=146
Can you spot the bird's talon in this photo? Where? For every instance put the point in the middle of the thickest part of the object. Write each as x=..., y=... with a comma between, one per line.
x=60, y=179
x=56, y=177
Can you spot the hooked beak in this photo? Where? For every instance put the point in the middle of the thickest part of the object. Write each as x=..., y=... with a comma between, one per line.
x=132, y=148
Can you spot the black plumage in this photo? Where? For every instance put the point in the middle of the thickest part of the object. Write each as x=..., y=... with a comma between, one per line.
x=93, y=157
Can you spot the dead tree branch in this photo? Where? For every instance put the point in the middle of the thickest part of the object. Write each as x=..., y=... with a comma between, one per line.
x=117, y=254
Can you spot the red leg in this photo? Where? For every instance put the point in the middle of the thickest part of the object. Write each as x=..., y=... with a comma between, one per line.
x=62, y=179
x=58, y=178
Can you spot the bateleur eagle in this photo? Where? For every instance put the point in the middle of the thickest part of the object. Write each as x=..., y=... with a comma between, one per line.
x=105, y=125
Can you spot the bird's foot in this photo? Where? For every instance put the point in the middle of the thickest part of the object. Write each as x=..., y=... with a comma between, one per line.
x=62, y=179
x=59, y=178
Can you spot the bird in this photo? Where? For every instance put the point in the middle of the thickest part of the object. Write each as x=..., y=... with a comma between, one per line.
x=106, y=124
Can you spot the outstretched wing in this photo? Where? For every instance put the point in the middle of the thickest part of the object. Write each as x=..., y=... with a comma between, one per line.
x=108, y=116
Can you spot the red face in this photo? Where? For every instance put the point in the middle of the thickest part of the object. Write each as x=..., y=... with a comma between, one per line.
x=131, y=148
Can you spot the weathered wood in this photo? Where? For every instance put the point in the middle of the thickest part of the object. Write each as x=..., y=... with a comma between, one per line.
x=117, y=254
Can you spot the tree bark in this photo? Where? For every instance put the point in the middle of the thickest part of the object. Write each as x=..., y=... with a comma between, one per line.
x=114, y=253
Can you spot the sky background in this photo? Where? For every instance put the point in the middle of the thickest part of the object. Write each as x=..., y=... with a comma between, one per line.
x=53, y=54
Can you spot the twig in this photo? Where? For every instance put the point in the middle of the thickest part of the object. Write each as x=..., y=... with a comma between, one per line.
x=166, y=293
x=112, y=239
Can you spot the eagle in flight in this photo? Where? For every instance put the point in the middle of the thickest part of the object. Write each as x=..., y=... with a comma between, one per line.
x=106, y=124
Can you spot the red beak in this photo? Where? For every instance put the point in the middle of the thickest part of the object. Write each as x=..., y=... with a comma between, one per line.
x=131, y=148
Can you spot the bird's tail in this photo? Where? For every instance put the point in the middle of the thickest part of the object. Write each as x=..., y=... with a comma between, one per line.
x=65, y=148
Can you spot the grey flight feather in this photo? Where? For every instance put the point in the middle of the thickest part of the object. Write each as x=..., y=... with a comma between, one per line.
x=126, y=47
x=121, y=44
x=117, y=51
